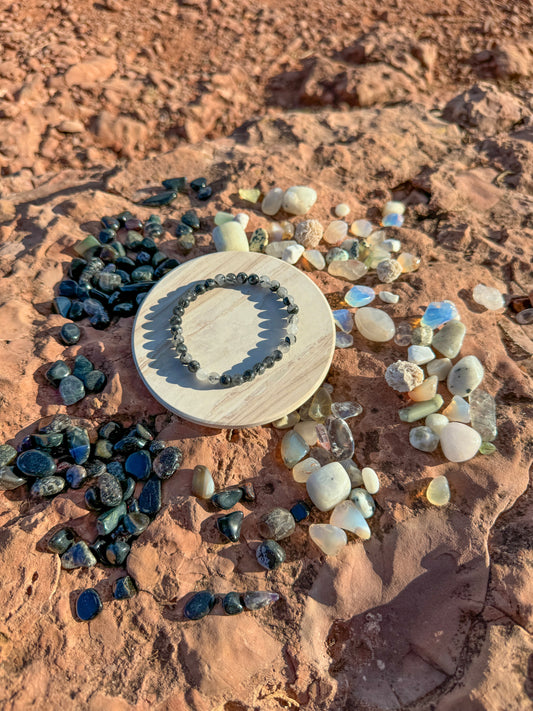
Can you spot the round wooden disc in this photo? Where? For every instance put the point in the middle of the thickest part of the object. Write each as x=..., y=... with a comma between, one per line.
x=230, y=330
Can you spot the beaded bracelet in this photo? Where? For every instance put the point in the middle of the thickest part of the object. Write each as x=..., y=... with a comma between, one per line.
x=231, y=280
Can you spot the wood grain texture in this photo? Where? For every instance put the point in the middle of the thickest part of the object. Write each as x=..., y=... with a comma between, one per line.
x=229, y=330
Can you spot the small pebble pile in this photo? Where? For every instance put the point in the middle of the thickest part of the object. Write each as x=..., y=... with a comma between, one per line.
x=74, y=384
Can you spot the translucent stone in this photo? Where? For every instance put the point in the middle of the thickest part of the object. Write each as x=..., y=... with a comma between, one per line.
x=388, y=297
x=292, y=328
x=438, y=491
x=376, y=239
x=392, y=245
x=336, y=232
x=288, y=229
x=275, y=230
x=320, y=407
x=424, y=439
x=346, y=515
x=307, y=431
x=249, y=194
x=276, y=249
x=439, y=312
x=328, y=486
x=388, y=271
x=293, y=448
x=458, y=410
x=459, y=442
x=374, y=324
x=340, y=437
x=323, y=436
x=336, y=254
x=222, y=217
x=439, y=367
x=343, y=340
x=186, y=358
x=293, y=253
x=314, y=258
x=284, y=347
x=393, y=207
x=426, y=390
x=375, y=256
x=488, y=296
x=288, y=421
x=361, y=228
x=346, y=409
x=202, y=375
x=330, y=539
x=303, y=470
x=230, y=237
x=420, y=354
x=525, y=317
x=342, y=210
x=264, y=281
x=403, y=376
x=353, y=471
x=465, y=376
x=449, y=339
x=343, y=319
x=421, y=409
x=483, y=414
x=299, y=199
x=370, y=480
x=351, y=269
x=392, y=220
x=422, y=336
x=203, y=485
x=403, y=334
x=282, y=292
x=272, y=201
x=436, y=422
x=408, y=262
x=359, y=296
x=487, y=448
x=214, y=378
x=364, y=502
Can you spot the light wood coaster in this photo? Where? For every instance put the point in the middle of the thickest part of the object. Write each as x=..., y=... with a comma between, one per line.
x=230, y=330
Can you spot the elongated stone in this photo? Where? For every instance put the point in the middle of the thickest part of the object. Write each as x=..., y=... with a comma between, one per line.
x=458, y=410
x=199, y=605
x=61, y=541
x=343, y=319
x=345, y=410
x=314, y=258
x=459, y=442
x=48, y=486
x=438, y=491
x=439, y=313
x=364, y=502
x=110, y=490
x=227, y=499
x=320, y=407
x=150, y=497
x=78, y=556
x=421, y=409
x=370, y=480
x=230, y=237
x=347, y=516
x=388, y=297
x=109, y=520
x=423, y=438
x=439, y=367
x=163, y=198
x=259, y=599
x=270, y=555
x=298, y=199
x=35, y=462
x=167, y=462
x=328, y=486
x=426, y=390
x=293, y=448
x=436, y=422
x=340, y=438
x=375, y=325
x=330, y=539
x=203, y=485
x=449, y=339
x=79, y=444
x=349, y=269
x=465, y=376
x=8, y=479
x=483, y=414
x=277, y=524
x=403, y=376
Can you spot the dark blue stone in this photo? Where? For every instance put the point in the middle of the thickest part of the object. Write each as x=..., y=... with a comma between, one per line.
x=179, y=184
x=68, y=287
x=98, y=549
x=270, y=554
x=142, y=259
x=166, y=267
x=49, y=440
x=71, y=390
x=78, y=556
x=100, y=321
x=88, y=605
x=300, y=511
x=150, y=497
x=82, y=366
x=109, y=520
x=130, y=443
x=70, y=334
x=117, y=470
x=133, y=505
x=124, y=588
x=117, y=552
x=199, y=605
x=226, y=499
x=191, y=218
x=230, y=525
x=57, y=372
x=124, y=309
x=95, y=381
x=61, y=305
x=34, y=462
x=110, y=490
x=198, y=183
x=232, y=603
x=123, y=216
x=92, y=499
x=78, y=444
x=139, y=465
x=158, y=258
x=61, y=541
x=205, y=193
x=76, y=476
x=158, y=445
x=136, y=523
x=163, y=198
x=183, y=229
x=130, y=291
x=106, y=235
x=110, y=222
x=76, y=311
x=48, y=486
x=76, y=267
x=125, y=264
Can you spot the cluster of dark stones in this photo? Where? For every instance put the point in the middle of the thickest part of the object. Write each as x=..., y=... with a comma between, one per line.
x=173, y=186
x=73, y=384
x=233, y=603
x=113, y=273
x=190, y=222
x=60, y=455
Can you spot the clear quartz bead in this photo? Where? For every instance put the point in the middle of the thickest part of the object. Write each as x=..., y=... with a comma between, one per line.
x=292, y=328
x=292, y=338
x=282, y=292
x=213, y=378
x=220, y=279
x=186, y=358
x=202, y=375
x=284, y=347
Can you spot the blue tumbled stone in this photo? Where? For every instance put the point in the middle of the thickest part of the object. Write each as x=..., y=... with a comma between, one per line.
x=88, y=605
x=439, y=313
x=360, y=296
x=139, y=465
x=393, y=220
x=199, y=605
x=71, y=390
x=61, y=305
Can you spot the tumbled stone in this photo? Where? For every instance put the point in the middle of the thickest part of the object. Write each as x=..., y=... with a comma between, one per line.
x=47, y=441
x=124, y=588
x=388, y=297
x=109, y=520
x=202, y=485
x=8, y=454
x=230, y=525
x=92, y=499
x=88, y=605
x=61, y=541
x=287, y=421
x=8, y=479
x=303, y=470
x=298, y=199
x=439, y=313
x=438, y=491
x=258, y=600
x=393, y=207
x=57, y=372
x=408, y=262
x=78, y=556
x=343, y=340
x=248, y=492
x=150, y=497
x=320, y=407
x=421, y=409
x=423, y=438
x=227, y=499
x=350, y=269
x=345, y=410
x=458, y=410
x=420, y=354
x=76, y=476
x=337, y=254
x=336, y=232
x=95, y=381
x=249, y=194
x=359, y=296
x=361, y=228
x=82, y=366
x=277, y=524
x=459, y=442
x=388, y=271
x=328, y=486
x=103, y=448
x=110, y=490
x=292, y=253
x=314, y=258
x=270, y=554
x=524, y=317
x=34, y=462
x=483, y=414
x=487, y=448
x=117, y=552
x=293, y=448
x=422, y=335
x=426, y=390
x=230, y=237
x=364, y=502
x=232, y=603
x=330, y=539
x=342, y=210
x=449, y=339
x=340, y=438
x=139, y=465
x=488, y=296
x=465, y=376
x=79, y=444
x=347, y=516
x=403, y=376
x=272, y=201
x=308, y=233
x=199, y=605
x=439, y=367
x=307, y=431
x=70, y=334
x=370, y=480
x=276, y=249
x=436, y=422
x=300, y=511
x=353, y=471
x=135, y=522
x=258, y=240
x=71, y=390
x=167, y=462
x=375, y=325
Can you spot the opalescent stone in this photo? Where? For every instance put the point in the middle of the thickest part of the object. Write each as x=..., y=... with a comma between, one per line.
x=408, y=262
x=314, y=258
x=364, y=502
x=359, y=296
x=449, y=339
x=293, y=448
x=342, y=210
x=350, y=269
x=343, y=340
x=458, y=410
x=330, y=539
x=259, y=599
x=459, y=442
x=303, y=470
x=336, y=232
x=421, y=409
x=230, y=237
x=483, y=414
x=370, y=480
x=277, y=524
x=465, y=376
x=424, y=439
x=340, y=438
x=439, y=313
x=346, y=409
x=328, y=486
x=488, y=296
x=392, y=220
x=343, y=319
x=438, y=491
x=375, y=325
x=361, y=228
x=346, y=515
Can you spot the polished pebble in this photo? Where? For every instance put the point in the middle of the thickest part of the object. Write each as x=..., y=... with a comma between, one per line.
x=48, y=486
x=79, y=445
x=78, y=556
x=359, y=296
x=370, y=480
x=230, y=237
x=117, y=552
x=350, y=269
x=110, y=490
x=438, y=491
x=420, y=355
x=36, y=463
x=124, y=588
x=76, y=476
x=135, y=522
x=277, y=524
x=95, y=381
x=292, y=253
x=139, y=465
x=299, y=199
x=361, y=228
x=199, y=605
x=70, y=334
x=230, y=525
x=347, y=516
x=374, y=324
x=388, y=297
x=328, y=486
x=423, y=438
x=426, y=390
x=422, y=335
x=449, y=339
x=353, y=471
x=227, y=499
x=439, y=312
x=61, y=541
x=300, y=511
x=330, y=539
x=8, y=454
x=436, y=422
x=421, y=409
x=340, y=438
x=314, y=258
x=343, y=319
x=343, y=340
x=439, y=367
x=345, y=410
x=270, y=555
x=293, y=448
x=167, y=462
x=336, y=232
x=364, y=502
x=465, y=376
x=232, y=603
x=458, y=410
x=307, y=431
x=259, y=599
x=459, y=442
x=483, y=414
x=342, y=210
x=202, y=485
x=109, y=520
x=303, y=469
x=272, y=201
x=88, y=605
x=71, y=390
x=488, y=296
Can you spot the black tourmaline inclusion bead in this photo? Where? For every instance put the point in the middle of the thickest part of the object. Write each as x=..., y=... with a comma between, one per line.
x=210, y=284
x=274, y=285
x=193, y=366
x=200, y=289
x=242, y=278
x=277, y=355
x=248, y=376
x=293, y=309
x=269, y=361
x=253, y=279
x=226, y=380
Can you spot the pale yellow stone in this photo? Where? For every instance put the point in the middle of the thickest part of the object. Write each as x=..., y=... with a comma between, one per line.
x=336, y=232
x=342, y=210
x=320, y=407
x=288, y=421
x=249, y=194
x=303, y=470
x=314, y=258
x=230, y=237
x=330, y=539
x=276, y=249
x=458, y=410
x=350, y=269
x=299, y=199
x=438, y=491
x=408, y=262
x=272, y=201
x=222, y=217
x=370, y=480
x=426, y=390
x=307, y=431
x=436, y=422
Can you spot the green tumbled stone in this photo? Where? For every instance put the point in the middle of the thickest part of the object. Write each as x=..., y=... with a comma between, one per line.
x=86, y=244
x=108, y=521
x=487, y=448
x=421, y=409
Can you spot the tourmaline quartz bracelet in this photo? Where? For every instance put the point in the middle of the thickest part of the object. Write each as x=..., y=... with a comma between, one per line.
x=229, y=281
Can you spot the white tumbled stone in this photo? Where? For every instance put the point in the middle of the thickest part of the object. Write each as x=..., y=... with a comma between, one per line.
x=370, y=480
x=328, y=486
x=439, y=367
x=303, y=470
x=465, y=376
x=420, y=354
x=388, y=297
x=314, y=258
x=364, y=502
x=330, y=539
x=346, y=515
x=342, y=210
x=292, y=253
x=243, y=219
x=458, y=410
x=299, y=199
x=276, y=249
x=374, y=324
x=459, y=442
x=336, y=232
x=436, y=422
x=230, y=237
x=393, y=207
x=488, y=296
x=272, y=201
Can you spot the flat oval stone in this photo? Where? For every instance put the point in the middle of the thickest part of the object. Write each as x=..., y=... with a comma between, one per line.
x=449, y=339
x=375, y=325
x=328, y=486
x=35, y=462
x=345, y=410
x=438, y=491
x=465, y=376
x=330, y=539
x=459, y=442
x=88, y=605
x=259, y=599
x=314, y=258
x=227, y=499
x=424, y=439
x=340, y=438
x=109, y=520
x=483, y=414
x=293, y=448
x=230, y=525
x=232, y=603
x=420, y=355
x=76, y=476
x=139, y=465
x=9, y=480
x=299, y=199
x=347, y=516
x=79, y=444
x=124, y=588
x=270, y=555
x=272, y=201
x=199, y=605
x=364, y=502
x=230, y=237
x=370, y=480
x=277, y=524
x=150, y=497
x=110, y=490
x=78, y=556
x=167, y=462
x=48, y=486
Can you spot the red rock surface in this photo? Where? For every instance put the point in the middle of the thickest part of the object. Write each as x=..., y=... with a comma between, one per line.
x=434, y=612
